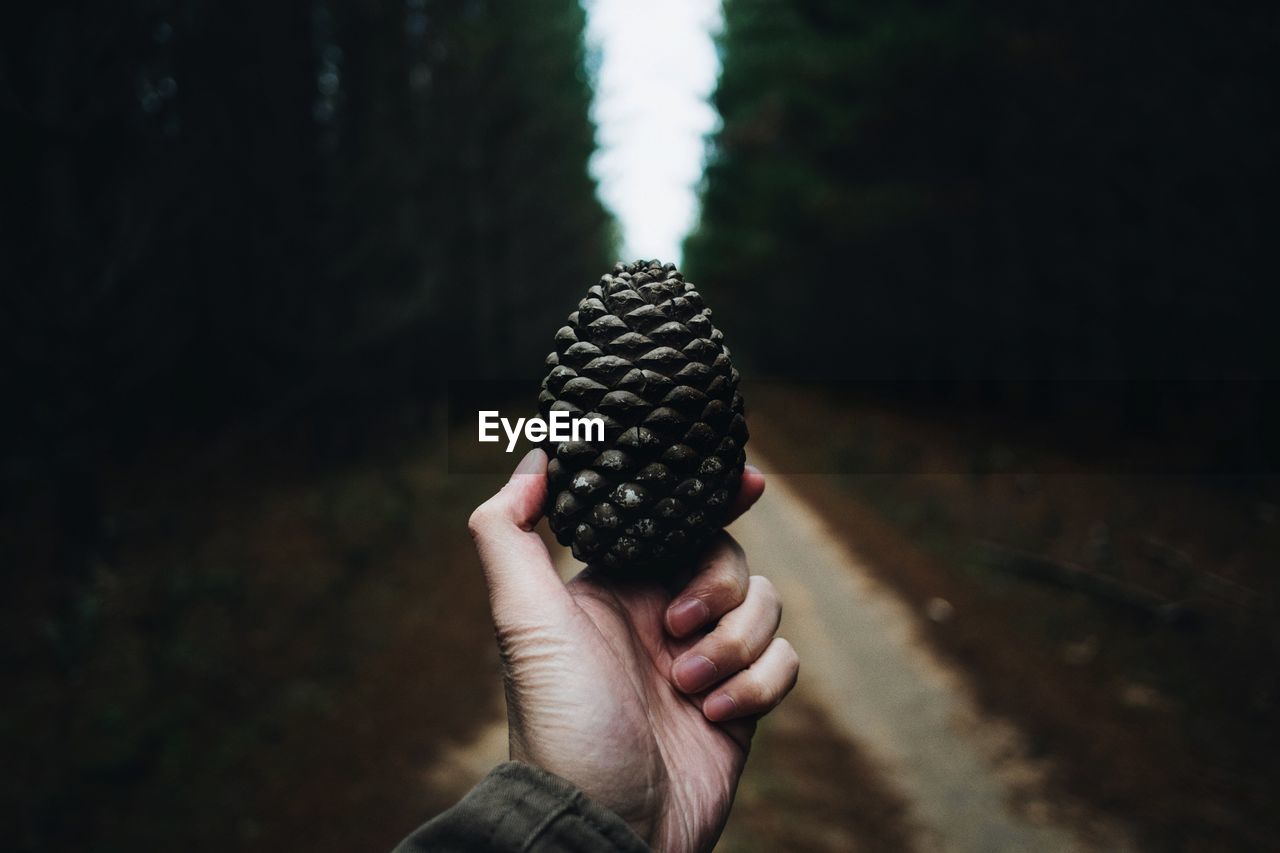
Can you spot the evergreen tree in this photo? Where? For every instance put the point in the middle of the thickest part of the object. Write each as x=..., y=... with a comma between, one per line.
x=989, y=196
x=213, y=208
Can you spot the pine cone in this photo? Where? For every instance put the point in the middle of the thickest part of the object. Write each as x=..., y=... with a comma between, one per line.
x=642, y=354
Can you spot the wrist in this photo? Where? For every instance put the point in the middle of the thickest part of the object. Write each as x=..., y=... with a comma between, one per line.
x=639, y=817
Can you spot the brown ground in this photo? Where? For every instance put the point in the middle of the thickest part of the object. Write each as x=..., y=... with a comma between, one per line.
x=267, y=650
x=264, y=655
x=808, y=789
x=268, y=653
x=1169, y=728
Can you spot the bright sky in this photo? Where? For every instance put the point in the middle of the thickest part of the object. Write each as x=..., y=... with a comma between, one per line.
x=658, y=67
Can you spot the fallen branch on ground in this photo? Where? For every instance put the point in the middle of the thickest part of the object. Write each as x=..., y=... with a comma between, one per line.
x=1110, y=590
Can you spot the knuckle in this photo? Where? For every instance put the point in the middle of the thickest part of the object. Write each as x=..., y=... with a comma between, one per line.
x=740, y=650
x=789, y=654
x=791, y=664
x=480, y=520
x=761, y=694
x=764, y=587
x=725, y=585
x=769, y=599
x=730, y=652
x=772, y=693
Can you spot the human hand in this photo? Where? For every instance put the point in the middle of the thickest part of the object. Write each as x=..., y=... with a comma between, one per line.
x=616, y=686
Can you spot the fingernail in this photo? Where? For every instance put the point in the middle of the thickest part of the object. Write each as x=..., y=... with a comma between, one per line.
x=719, y=707
x=693, y=674
x=686, y=615
x=534, y=462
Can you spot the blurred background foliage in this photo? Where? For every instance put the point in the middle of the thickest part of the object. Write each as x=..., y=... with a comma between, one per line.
x=213, y=209
x=1047, y=209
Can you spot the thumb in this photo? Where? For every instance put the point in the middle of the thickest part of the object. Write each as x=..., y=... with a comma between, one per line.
x=523, y=584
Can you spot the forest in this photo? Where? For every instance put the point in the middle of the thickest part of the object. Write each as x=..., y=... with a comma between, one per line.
x=218, y=209
x=1044, y=208
x=1058, y=210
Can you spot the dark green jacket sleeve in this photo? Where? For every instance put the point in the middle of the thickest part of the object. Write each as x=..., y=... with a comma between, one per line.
x=521, y=808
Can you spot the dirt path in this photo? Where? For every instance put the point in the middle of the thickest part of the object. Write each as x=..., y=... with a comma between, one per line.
x=968, y=783
x=961, y=773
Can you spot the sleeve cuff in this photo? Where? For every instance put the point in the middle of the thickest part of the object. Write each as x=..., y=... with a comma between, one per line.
x=518, y=807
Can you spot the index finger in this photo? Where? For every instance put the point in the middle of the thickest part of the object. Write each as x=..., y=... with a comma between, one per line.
x=719, y=585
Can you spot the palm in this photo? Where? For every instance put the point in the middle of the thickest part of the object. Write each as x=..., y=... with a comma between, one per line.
x=605, y=688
